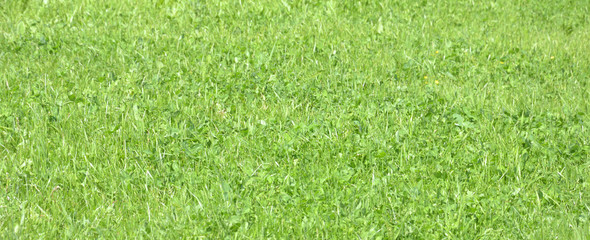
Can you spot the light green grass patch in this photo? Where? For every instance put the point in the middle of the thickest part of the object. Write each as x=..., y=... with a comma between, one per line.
x=294, y=119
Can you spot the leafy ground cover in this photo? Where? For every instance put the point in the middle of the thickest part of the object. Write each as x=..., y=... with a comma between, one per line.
x=295, y=119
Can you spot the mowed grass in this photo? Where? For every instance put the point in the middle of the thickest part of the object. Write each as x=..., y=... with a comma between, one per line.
x=295, y=119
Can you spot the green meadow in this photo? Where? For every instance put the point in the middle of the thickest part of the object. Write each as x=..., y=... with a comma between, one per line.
x=294, y=119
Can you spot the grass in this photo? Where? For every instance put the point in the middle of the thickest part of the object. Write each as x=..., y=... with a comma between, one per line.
x=295, y=119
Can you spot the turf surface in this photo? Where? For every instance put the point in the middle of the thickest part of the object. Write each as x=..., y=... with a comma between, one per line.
x=295, y=119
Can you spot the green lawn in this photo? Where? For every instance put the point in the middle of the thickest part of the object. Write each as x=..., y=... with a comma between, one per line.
x=294, y=119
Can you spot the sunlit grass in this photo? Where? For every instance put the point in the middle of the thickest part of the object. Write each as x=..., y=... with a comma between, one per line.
x=294, y=119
